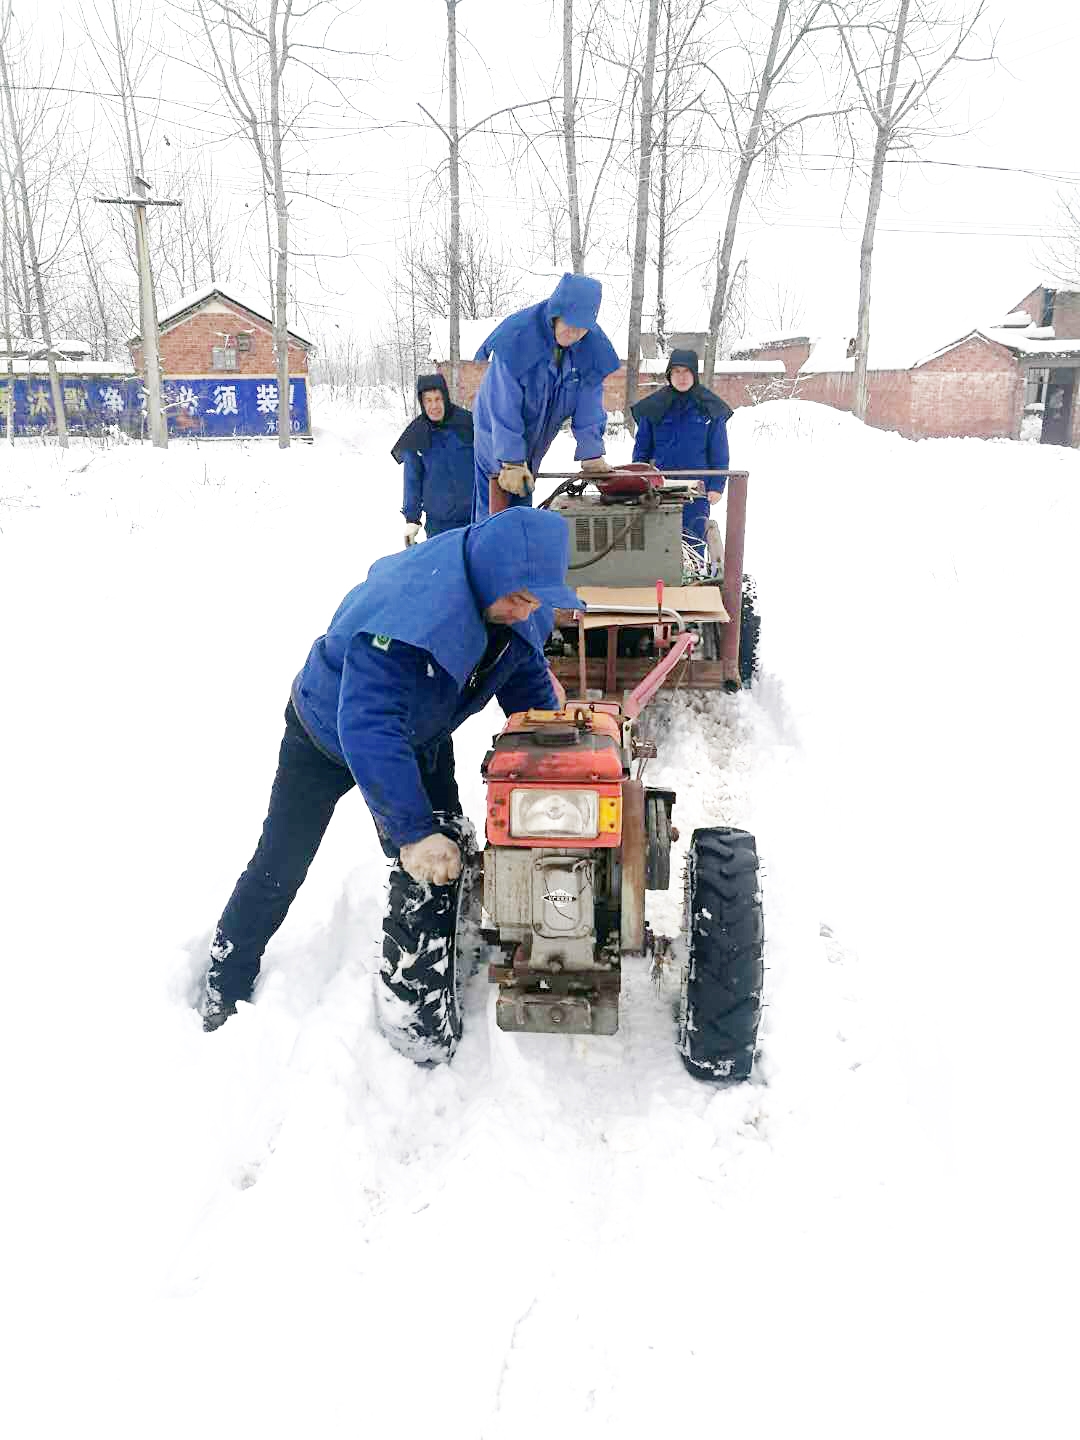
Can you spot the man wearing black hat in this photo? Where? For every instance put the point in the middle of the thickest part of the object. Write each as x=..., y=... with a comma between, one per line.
x=436, y=450
x=684, y=427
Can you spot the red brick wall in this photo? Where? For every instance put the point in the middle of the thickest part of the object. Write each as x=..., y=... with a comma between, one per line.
x=976, y=388
x=1066, y=315
x=742, y=389
x=792, y=357
x=186, y=347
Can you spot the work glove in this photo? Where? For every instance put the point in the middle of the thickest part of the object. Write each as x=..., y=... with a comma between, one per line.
x=435, y=860
x=598, y=465
x=412, y=529
x=516, y=479
x=715, y=496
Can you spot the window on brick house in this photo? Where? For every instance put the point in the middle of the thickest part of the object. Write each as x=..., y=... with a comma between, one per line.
x=1047, y=307
x=223, y=357
x=1035, y=383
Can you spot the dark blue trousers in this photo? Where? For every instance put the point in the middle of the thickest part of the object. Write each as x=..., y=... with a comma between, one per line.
x=307, y=786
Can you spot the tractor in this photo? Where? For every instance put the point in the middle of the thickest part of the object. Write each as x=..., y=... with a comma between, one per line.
x=554, y=901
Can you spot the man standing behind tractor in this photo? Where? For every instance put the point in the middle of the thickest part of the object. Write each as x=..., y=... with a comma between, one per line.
x=548, y=364
x=423, y=643
x=436, y=450
x=684, y=427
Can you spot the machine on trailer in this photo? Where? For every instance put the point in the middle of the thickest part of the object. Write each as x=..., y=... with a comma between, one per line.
x=555, y=900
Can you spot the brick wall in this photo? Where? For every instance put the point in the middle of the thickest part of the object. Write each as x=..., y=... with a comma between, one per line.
x=792, y=356
x=744, y=388
x=976, y=388
x=1066, y=315
x=187, y=347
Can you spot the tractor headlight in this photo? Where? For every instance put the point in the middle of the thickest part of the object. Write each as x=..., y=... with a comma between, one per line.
x=573, y=813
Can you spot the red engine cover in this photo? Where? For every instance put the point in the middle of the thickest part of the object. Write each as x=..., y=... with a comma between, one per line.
x=632, y=479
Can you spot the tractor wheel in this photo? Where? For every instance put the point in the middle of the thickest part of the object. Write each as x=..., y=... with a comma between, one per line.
x=722, y=976
x=429, y=935
x=749, y=632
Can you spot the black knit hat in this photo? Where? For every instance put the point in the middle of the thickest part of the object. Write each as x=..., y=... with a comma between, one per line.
x=688, y=358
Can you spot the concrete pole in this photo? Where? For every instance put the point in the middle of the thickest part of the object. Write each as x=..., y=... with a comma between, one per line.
x=159, y=433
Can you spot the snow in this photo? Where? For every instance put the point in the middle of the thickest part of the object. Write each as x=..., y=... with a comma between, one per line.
x=286, y=1228
x=67, y=367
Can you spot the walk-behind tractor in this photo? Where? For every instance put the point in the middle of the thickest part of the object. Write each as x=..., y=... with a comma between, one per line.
x=555, y=901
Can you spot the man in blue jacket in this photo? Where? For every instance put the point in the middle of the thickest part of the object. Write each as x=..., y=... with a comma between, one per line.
x=423, y=643
x=548, y=364
x=436, y=450
x=684, y=427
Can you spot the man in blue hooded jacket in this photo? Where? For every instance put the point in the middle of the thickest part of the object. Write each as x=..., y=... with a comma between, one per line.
x=423, y=643
x=548, y=364
x=684, y=427
x=436, y=450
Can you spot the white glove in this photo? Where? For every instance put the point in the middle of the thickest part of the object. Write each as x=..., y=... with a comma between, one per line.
x=412, y=529
x=598, y=465
x=435, y=860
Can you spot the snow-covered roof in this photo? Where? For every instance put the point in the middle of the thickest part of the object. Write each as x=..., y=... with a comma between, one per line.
x=829, y=356
x=68, y=367
x=175, y=313
x=1017, y=320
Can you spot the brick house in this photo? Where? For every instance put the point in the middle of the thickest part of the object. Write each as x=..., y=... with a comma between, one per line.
x=219, y=371
x=1012, y=380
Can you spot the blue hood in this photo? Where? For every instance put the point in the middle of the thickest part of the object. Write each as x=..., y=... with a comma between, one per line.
x=525, y=339
x=432, y=596
x=576, y=300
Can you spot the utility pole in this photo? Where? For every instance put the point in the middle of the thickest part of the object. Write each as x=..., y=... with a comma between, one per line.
x=159, y=433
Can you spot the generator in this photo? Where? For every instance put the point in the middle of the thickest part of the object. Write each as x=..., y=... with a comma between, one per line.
x=626, y=544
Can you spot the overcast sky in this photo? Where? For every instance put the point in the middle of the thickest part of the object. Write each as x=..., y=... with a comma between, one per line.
x=957, y=245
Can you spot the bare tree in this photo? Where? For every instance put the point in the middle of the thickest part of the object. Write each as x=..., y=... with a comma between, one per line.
x=251, y=45
x=897, y=57
x=487, y=281
x=682, y=186
x=783, y=308
x=13, y=138
x=5, y=313
x=641, y=218
x=1059, y=254
x=757, y=123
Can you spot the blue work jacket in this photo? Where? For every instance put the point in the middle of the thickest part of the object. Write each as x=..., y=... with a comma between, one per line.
x=686, y=438
x=400, y=667
x=439, y=482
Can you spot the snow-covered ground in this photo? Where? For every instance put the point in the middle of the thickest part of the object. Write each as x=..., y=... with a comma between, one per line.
x=285, y=1229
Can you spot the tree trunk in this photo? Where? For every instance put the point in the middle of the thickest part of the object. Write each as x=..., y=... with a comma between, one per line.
x=573, y=201
x=641, y=229
x=884, y=119
x=455, y=204
x=662, y=219
x=746, y=161
x=5, y=292
x=32, y=256
x=278, y=57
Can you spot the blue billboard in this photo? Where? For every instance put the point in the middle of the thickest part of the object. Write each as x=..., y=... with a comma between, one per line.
x=210, y=405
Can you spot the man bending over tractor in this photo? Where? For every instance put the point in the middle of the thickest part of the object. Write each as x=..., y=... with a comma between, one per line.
x=548, y=364
x=423, y=643
x=436, y=450
x=684, y=427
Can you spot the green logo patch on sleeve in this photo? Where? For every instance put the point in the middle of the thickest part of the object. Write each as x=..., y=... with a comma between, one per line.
x=381, y=642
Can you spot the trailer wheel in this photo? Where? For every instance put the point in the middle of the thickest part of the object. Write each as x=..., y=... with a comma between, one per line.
x=722, y=976
x=658, y=805
x=429, y=936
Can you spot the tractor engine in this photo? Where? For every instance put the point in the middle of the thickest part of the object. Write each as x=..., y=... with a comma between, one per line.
x=564, y=881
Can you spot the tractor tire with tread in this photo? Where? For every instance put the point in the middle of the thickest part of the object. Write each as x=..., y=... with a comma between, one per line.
x=720, y=1006
x=425, y=956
